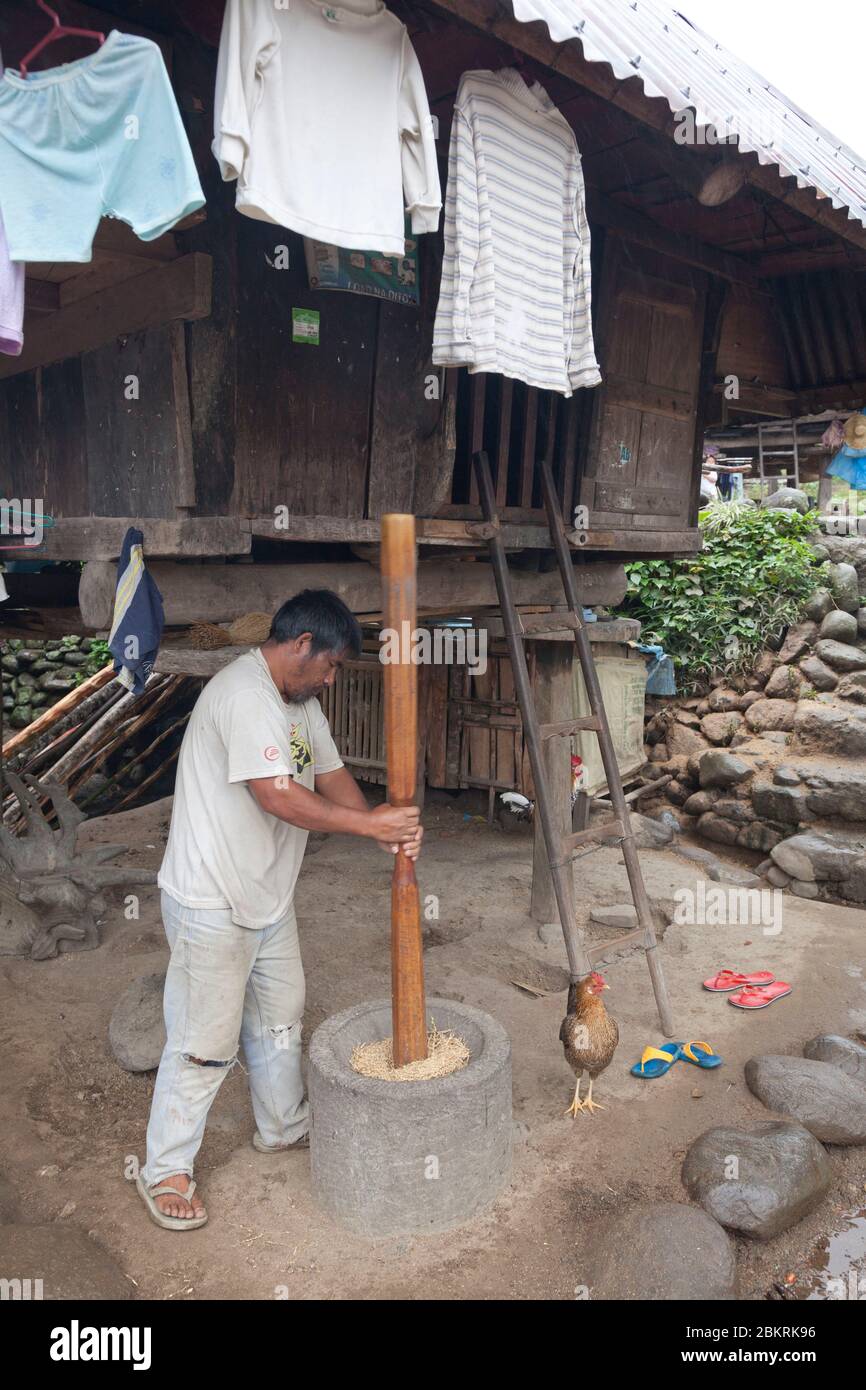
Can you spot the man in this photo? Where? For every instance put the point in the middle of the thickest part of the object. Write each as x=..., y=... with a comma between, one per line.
x=258, y=770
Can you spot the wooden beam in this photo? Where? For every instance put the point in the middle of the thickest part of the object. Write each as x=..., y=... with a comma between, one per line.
x=762, y=400
x=817, y=208
x=191, y=661
x=644, y=232
x=101, y=537
x=179, y=290
x=845, y=395
x=119, y=238
x=185, y=497
x=41, y=296
x=222, y=593
x=658, y=400
x=463, y=533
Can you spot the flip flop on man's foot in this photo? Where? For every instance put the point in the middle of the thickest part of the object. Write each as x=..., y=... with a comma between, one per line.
x=759, y=998
x=174, y=1197
x=728, y=980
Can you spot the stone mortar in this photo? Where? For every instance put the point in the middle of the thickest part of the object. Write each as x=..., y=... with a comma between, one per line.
x=409, y=1157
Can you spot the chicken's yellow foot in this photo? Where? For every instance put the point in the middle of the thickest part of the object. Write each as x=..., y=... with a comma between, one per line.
x=577, y=1103
x=589, y=1104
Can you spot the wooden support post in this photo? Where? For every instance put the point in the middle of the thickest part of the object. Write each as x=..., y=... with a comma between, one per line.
x=554, y=704
x=399, y=610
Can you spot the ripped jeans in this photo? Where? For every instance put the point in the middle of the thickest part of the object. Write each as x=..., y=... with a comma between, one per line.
x=226, y=983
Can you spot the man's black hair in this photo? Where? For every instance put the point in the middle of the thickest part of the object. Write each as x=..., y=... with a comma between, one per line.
x=318, y=611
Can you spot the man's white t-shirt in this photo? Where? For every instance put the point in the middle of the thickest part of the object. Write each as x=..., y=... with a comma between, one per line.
x=223, y=850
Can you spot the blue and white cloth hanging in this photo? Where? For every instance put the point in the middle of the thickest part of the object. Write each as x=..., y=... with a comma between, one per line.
x=136, y=628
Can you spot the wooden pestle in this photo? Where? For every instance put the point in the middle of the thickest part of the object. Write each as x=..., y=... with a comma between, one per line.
x=399, y=605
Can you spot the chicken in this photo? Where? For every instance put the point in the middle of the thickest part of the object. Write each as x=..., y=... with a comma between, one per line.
x=589, y=1036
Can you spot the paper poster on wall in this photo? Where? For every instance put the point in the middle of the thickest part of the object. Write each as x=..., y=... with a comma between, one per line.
x=365, y=272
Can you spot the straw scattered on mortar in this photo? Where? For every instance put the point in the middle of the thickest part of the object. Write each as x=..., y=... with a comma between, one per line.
x=446, y=1053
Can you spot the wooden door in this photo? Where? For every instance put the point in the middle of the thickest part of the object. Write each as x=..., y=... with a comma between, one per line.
x=641, y=456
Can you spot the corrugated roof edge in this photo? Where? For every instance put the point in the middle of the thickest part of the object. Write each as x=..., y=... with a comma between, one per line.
x=688, y=69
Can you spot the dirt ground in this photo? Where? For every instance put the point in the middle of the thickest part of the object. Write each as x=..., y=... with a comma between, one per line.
x=70, y=1117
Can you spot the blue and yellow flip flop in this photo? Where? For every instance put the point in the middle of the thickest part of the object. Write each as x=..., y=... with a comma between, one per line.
x=656, y=1061
x=700, y=1054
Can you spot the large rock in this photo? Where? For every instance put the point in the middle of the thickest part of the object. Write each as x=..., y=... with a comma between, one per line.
x=819, y=675
x=853, y=687
x=839, y=626
x=816, y=857
x=819, y=605
x=740, y=811
x=723, y=699
x=720, y=769
x=772, y=714
x=832, y=728
x=759, y=837
x=798, y=639
x=700, y=802
x=760, y=1182
x=684, y=741
x=136, y=1032
x=789, y=499
x=720, y=728
x=666, y=1251
x=847, y=1055
x=722, y=832
x=650, y=834
x=768, y=661
x=786, y=804
x=784, y=684
x=839, y=792
x=844, y=586
x=71, y=1267
x=831, y=1105
x=840, y=655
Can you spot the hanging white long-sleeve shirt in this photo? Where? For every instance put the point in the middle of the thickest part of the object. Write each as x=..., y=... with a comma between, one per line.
x=321, y=115
x=516, y=280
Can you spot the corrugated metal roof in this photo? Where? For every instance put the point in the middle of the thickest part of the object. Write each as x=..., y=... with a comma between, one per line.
x=679, y=62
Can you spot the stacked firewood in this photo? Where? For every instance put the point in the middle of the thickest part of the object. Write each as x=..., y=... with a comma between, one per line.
x=108, y=749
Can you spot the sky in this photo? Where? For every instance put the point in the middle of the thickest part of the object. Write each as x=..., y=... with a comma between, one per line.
x=813, y=52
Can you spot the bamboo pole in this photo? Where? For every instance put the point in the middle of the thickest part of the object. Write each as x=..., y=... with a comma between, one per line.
x=66, y=766
x=399, y=604
x=53, y=715
x=152, y=707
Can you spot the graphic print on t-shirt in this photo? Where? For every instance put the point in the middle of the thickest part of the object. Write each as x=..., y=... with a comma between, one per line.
x=299, y=749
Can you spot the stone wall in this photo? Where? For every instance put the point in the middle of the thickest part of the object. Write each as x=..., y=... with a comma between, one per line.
x=38, y=673
x=775, y=763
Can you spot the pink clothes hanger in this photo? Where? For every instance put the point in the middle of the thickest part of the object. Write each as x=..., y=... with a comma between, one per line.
x=57, y=31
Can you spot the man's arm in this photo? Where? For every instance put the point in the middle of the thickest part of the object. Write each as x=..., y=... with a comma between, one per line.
x=286, y=799
x=341, y=788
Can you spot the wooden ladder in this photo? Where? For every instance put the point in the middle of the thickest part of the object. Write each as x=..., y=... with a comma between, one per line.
x=560, y=844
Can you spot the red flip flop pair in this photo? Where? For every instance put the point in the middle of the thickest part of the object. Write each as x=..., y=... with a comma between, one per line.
x=755, y=991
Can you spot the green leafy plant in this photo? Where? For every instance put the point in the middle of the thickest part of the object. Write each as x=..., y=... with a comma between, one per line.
x=713, y=612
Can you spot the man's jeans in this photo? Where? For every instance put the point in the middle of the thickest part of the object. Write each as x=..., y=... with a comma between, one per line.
x=226, y=983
